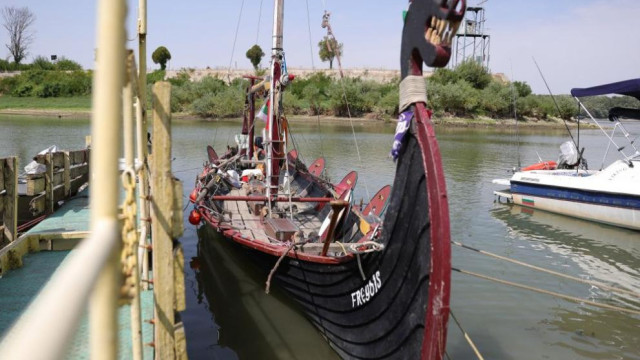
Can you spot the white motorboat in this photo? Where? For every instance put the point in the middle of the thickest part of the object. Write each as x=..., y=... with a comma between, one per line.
x=610, y=195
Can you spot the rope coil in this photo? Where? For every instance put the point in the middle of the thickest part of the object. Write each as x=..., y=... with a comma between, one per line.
x=128, y=256
x=413, y=89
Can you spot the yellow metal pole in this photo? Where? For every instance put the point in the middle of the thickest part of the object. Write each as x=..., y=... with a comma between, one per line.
x=106, y=129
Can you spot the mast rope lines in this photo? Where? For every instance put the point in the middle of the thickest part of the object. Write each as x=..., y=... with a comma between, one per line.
x=551, y=272
x=327, y=25
x=235, y=38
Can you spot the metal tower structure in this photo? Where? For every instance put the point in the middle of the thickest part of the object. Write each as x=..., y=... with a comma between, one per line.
x=472, y=41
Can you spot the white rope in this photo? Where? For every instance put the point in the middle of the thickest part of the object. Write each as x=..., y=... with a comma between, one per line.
x=413, y=89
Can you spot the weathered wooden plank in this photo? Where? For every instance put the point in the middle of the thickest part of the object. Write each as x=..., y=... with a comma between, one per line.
x=58, y=177
x=67, y=174
x=48, y=185
x=10, y=199
x=180, y=341
x=58, y=194
x=2, y=180
x=78, y=157
x=37, y=205
x=78, y=170
x=76, y=184
x=162, y=204
x=178, y=272
x=35, y=186
x=178, y=219
x=58, y=159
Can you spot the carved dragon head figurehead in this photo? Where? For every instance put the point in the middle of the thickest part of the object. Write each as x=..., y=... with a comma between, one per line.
x=429, y=28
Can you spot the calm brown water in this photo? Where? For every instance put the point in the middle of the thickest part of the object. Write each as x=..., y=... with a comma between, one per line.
x=228, y=315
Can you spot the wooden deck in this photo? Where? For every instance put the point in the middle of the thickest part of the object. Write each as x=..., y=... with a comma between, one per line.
x=251, y=226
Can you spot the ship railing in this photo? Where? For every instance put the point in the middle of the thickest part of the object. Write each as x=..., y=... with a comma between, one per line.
x=623, y=150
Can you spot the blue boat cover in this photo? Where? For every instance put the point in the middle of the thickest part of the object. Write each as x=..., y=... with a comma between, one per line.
x=627, y=87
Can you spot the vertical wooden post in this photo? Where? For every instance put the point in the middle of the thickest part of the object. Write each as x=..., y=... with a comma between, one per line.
x=67, y=174
x=10, y=199
x=106, y=130
x=162, y=207
x=48, y=183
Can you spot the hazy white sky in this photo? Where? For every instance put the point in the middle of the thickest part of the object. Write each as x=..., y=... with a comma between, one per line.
x=576, y=42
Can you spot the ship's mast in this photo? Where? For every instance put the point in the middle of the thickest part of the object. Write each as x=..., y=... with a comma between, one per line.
x=274, y=147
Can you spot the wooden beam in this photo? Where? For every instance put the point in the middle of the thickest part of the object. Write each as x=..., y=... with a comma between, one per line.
x=48, y=185
x=67, y=174
x=35, y=185
x=10, y=199
x=162, y=207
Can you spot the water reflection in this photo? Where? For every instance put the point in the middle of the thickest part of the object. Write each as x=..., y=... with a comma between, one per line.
x=252, y=324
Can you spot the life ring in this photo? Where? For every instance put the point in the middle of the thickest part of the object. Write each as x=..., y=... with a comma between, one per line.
x=544, y=165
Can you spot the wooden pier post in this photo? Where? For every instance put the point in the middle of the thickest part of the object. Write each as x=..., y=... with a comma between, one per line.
x=9, y=198
x=162, y=207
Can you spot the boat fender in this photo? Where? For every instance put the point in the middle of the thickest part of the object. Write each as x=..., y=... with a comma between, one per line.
x=544, y=165
x=194, y=195
x=195, y=217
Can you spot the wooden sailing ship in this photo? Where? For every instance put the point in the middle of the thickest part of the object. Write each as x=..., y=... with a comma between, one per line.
x=374, y=279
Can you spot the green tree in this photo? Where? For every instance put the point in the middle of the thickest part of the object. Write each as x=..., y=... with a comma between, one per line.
x=160, y=56
x=329, y=49
x=255, y=54
x=474, y=73
x=522, y=88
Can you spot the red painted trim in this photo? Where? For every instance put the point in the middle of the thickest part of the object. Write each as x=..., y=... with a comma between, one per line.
x=264, y=198
x=435, y=335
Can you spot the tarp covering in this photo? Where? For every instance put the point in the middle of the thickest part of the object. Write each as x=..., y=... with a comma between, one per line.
x=627, y=87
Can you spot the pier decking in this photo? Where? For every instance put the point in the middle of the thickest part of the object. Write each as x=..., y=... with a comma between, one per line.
x=57, y=235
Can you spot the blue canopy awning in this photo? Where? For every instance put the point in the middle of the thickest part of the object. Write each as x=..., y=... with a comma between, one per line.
x=627, y=87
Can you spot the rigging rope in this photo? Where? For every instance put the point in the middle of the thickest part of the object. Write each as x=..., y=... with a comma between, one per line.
x=467, y=337
x=313, y=66
x=259, y=17
x=235, y=38
x=344, y=94
x=547, y=292
x=513, y=261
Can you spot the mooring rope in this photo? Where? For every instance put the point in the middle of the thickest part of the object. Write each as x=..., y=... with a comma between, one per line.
x=547, y=271
x=275, y=267
x=547, y=292
x=467, y=337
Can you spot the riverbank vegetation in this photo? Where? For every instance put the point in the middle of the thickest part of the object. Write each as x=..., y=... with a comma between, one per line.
x=468, y=91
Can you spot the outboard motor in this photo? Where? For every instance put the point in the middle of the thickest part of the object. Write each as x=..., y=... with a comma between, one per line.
x=569, y=157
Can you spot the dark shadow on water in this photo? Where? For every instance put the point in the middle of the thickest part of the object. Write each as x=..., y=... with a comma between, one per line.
x=251, y=324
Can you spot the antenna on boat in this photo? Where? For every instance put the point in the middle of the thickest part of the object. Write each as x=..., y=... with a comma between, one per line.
x=557, y=107
x=515, y=115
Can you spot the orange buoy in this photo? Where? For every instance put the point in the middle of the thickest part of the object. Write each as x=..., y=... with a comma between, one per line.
x=195, y=217
x=544, y=165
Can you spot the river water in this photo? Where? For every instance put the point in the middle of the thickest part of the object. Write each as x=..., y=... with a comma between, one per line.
x=228, y=315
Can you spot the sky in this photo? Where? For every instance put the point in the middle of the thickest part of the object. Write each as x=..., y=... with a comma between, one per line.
x=577, y=43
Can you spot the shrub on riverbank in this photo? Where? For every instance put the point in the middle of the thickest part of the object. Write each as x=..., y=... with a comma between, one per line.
x=467, y=91
x=47, y=83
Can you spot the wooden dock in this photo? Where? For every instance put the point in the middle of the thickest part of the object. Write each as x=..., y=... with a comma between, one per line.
x=101, y=299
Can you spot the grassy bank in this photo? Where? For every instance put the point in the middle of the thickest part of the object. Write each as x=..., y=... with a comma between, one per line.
x=76, y=103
